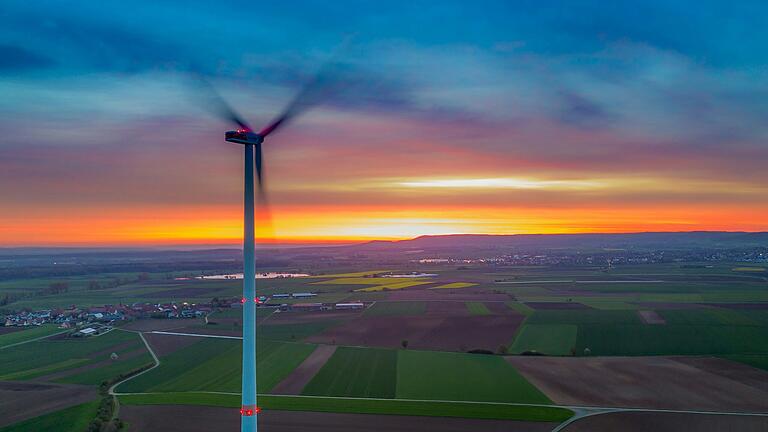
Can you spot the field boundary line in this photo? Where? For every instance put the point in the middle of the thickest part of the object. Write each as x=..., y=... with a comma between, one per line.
x=569, y=407
x=196, y=335
x=33, y=340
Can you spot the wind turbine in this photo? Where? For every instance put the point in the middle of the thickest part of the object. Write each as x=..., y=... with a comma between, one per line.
x=252, y=142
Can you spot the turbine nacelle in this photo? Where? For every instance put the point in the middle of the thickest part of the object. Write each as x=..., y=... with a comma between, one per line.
x=243, y=136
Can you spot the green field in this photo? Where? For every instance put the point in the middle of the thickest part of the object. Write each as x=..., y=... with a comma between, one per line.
x=715, y=317
x=396, y=308
x=215, y=365
x=608, y=317
x=113, y=369
x=550, y=339
x=47, y=356
x=462, y=377
x=27, y=334
x=363, y=406
x=356, y=372
x=73, y=419
x=754, y=360
x=477, y=308
x=635, y=340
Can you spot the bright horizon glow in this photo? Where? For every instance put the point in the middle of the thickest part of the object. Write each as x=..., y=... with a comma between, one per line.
x=339, y=225
x=503, y=183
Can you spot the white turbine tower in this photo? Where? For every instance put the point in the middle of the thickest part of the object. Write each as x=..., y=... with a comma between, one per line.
x=252, y=142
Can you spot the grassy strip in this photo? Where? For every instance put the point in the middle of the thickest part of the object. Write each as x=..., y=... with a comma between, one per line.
x=44, y=370
x=361, y=406
x=477, y=308
x=73, y=419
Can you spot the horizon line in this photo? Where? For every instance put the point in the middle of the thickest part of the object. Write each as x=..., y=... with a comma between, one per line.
x=314, y=242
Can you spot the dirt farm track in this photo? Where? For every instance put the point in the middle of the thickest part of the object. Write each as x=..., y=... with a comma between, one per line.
x=668, y=422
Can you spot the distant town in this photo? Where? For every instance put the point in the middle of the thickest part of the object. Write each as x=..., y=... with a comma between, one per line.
x=88, y=321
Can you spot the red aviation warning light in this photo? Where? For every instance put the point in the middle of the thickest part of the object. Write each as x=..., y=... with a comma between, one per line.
x=249, y=410
x=242, y=300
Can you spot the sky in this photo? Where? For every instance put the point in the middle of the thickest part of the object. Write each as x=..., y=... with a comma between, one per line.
x=437, y=118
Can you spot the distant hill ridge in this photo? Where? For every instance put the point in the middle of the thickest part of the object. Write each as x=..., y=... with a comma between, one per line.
x=620, y=240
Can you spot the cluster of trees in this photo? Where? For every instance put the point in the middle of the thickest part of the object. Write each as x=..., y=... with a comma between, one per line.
x=57, y=288
x=95, y=285
x=6, y=300
x=104, y=421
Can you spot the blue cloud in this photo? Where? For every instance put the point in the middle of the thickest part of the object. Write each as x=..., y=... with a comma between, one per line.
x=14, y=59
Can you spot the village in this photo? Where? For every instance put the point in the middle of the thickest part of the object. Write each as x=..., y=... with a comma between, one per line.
x=94, y=320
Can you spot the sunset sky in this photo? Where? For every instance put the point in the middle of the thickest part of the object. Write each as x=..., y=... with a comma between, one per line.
x=452, y=117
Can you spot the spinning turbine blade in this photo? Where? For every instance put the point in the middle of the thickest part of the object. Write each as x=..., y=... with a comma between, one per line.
x=219, y=106
x=263, y=213
x=311, y=94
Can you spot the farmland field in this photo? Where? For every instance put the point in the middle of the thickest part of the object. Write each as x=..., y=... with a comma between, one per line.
x=396, y=308
x=477, y=308
x=27, y=334
x=73, y=419
x=330, y=404
x=624, y=339
x=550, y=339
x=356, y=372
x=455, y=285
x=460, y=376
x=412, y=341
x=214, y=365
x=43, y=357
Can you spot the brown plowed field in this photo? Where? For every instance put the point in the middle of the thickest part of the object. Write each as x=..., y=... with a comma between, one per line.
x=298, y=317
x=498, y=308
x=671, y=305
x=645, y=382
x=168, y=344
x=216, y=330
x=668, y=422
x=447, y=308
x=23, y=400
x=556, y=305
x=185, y=293
x=747, y=306
x=449, y=333
x=151, y=324
x=298, y=379
x=742, y=373
x=179, y=418
x=464, y=294
x=6, y=330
